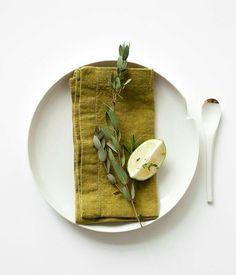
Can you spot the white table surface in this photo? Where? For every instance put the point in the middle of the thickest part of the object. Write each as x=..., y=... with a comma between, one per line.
x=192, y=44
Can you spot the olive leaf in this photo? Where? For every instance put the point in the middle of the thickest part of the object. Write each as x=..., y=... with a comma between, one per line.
x=107, y=107
x=125, y=52
x=119, y=171
x=120, y=50
x=103, y=142
x=127, y=82
x=102, y=154
x=108, y=165
x=111, y=118
x=122, y=157
x=112, y=77
x=118, y=82
x=125, y=192
x=110, y=144
x=108, y=121
x=98, y=133
x=113, y=84
x=132, y=191
x=115, y=143
x=127, y=148
x=134, y=143
x=96, y=142
x=119, y=135
x=107, y=132
x=124, y=65
x=119, y=62
x=111, y=178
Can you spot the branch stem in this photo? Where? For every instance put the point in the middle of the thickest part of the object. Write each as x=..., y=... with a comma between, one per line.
x=135, y=212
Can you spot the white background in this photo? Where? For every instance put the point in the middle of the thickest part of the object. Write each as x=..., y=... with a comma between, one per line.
x=192, y=44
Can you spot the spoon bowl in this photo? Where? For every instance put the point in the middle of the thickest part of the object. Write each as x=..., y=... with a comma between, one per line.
x=211, y=115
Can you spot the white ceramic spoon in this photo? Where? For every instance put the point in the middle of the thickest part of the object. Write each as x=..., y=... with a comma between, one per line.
x=211, y=114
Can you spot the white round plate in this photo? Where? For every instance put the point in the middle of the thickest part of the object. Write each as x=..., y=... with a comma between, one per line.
x=50, y=149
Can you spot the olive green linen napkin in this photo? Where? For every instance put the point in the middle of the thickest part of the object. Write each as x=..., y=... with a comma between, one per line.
x=95, y=201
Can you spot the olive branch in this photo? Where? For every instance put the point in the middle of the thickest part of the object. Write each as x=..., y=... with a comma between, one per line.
x=107, y=140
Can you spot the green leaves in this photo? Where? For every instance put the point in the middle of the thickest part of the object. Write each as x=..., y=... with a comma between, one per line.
x=132, y=191
x=127, y=81
x=123, y=157
x=119, y=135
x=111, y=118
x=116, y=143
x=112, y=135
x=111, y=153
x=111, y=178
x=119, y=81
x=124, y=190
x=133, y=144
x=127, y=148
x=120, y=62
x=107, y=132
x=96, y=142
x=103, y=142
x=98, y=133
x=124, y=51
x=102, y=154
x=110, y=144
x=119, y=171
x=108, y=166
x=120, y=50
x=99, y=143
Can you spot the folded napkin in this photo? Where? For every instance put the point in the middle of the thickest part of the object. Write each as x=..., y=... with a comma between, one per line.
x=95, y=201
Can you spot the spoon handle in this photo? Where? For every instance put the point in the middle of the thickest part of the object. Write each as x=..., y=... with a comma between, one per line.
x=209, y=164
